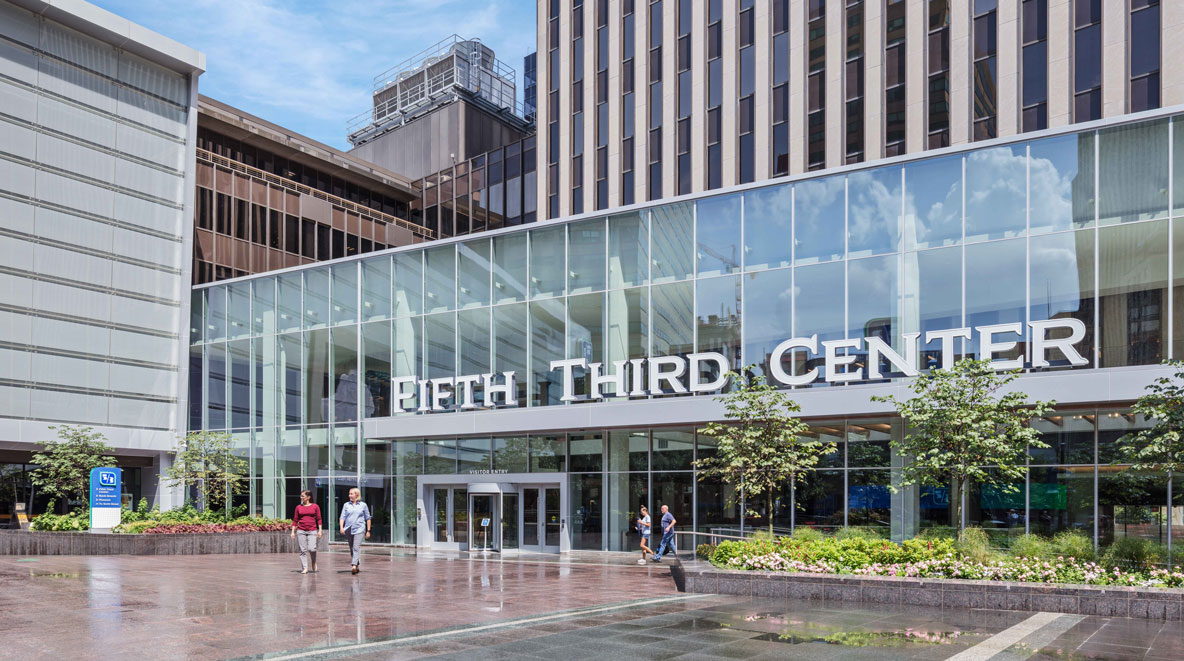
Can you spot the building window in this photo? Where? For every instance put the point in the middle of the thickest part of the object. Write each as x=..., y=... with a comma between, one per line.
x=816, y=87
x=853, y=90
x=715, y=92
x=746, y=83
x=937, y=120
x=553, y=71
x=654, y=183
x=683, y=93
x=1145, y=54
x=602, y=57
x=1034, y=69
x=577, y=107
x=985, y=69
x=894, y=77
x=780, y=99
x=1087, y=60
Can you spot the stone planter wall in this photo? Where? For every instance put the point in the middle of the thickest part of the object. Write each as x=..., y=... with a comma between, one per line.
x=26, y=543
x=1148, y=603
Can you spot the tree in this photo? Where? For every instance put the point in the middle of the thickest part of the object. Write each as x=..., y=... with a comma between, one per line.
x=65, y=464
x=963, y=429
x=205, y=460
x=761, y=446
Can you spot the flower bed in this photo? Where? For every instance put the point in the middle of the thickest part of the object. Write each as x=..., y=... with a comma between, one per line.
x=936, y=558
x=261, y=525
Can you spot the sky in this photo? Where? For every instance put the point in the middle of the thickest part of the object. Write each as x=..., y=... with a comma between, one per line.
x=310, y=66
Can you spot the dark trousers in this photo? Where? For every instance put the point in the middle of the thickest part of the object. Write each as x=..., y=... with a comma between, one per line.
x=667, y=545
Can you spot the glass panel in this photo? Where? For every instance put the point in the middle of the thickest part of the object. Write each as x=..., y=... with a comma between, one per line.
x=585, y=337
x=1178, y=162
x=869, y=500
x=674, y=319
x=509, y=268
x=586, y=255
x=408, y=457
x=291, y=379
x=1178, y=285
x=316, y=298
x=460, y=516
x=1112, y=425
x=377, y=492
x=766, y=325
x=406, y=511
x=818, y=499
x=290, y=307
x=510, y=454
x=216, y=386
x=317, y=376
x=345, y=294
x=627, y=493
x=998, y=509
x=818, y=221
x=376, y=288
x=1131, y=504
x=473, y=454
x=676, y=491
x=376, y=349
x=868, y=442
x=440, y=333
x=717, y=309
x=767, y=227
x=197, y=311
x=1062, y=172
x=1133, y=178
x=936, y=301
x=238, y=303
x=440, y=500
x=1061, y=498
x=933, y=203
x=587, y=453
x=873, y=221
x=873, y=305
x=995, y=295
x=673, y=233
x=263, y=306
x=547, y=344
x=673, y=449
x=586, y=495
x=628, y=250
x=439, y=457
x=408, y=283
x=547, y=272
x=240, y=383
x=1062, y=282
x=345, y=451
x=816, y=289
x=996, y=183
x=718, y=507
x=473, y=274
x=717, y=227
x=628, y=450
x=408, y=352
x=530, y=517
x=317, y=444
x=509, y=345
x=215, y=314
x=1070, y=440
x=475, y=336
x=1133, y=279
x=548, y=454
x=345, y=374
x=509, y=520
x=288, y=456
x=439, y=279
x=627, y=330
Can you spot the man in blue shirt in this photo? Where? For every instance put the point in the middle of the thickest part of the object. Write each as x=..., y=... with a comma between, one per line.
x=355, y=518
x=668, y=522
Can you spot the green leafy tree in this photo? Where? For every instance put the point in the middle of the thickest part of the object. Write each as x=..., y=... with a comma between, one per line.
x=762, y=446
x=1159, y=448
x=206, y=461
x=65, y=464
x=963, y=429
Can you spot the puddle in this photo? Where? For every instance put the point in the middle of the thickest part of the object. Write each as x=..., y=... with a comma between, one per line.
x=868, y=638
x=37, y=574
x=700, y=623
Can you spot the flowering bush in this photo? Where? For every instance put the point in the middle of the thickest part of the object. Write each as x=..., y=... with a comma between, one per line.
x=929, y=558
x=243, y=524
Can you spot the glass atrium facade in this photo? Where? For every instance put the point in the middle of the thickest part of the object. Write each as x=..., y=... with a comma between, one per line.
x=1072, y=224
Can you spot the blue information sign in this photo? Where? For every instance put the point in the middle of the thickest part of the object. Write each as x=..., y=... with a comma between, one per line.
x=105, y=504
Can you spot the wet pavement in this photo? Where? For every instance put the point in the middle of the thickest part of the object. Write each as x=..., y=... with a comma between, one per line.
x=406, y=605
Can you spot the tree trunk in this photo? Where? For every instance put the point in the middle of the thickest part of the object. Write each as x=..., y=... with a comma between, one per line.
x=770, y=497
x=956, y=487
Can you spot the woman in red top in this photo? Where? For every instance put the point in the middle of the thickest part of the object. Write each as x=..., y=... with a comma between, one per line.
x=305, y=521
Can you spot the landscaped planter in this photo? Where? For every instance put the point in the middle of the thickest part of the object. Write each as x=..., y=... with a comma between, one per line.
x=1116, y=601
x=25, y=542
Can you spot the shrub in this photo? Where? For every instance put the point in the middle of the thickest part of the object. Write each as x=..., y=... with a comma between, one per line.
x=78, y=520
x=975, y=546
x=860, y=532
x=1132, y=553
x=762, y=534
x=243, y=524
x=804, y=534
x=705, y=551
x=1032, y=546
x=135, y=527
x=1073, y=544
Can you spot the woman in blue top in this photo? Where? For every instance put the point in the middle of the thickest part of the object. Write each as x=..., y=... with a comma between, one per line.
x=643, y=526
x=354, y=523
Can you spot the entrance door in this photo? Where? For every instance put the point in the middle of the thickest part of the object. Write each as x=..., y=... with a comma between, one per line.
x=450, y=513
x=541, y=520
x=484, y=524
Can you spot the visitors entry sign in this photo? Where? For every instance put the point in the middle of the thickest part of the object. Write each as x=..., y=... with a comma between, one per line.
x=105, y=488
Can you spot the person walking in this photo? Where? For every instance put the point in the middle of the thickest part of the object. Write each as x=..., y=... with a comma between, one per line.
x=667, y=544
x=355, y=518
x=306, y=529
x=643, y=527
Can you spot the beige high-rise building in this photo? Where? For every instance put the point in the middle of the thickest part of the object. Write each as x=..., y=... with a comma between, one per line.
x=647, y=99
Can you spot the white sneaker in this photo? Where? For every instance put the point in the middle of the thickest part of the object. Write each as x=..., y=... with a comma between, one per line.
x=641, y=562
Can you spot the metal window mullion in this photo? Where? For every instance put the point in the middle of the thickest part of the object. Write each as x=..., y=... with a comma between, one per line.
x=1027, y=257
x=1171, y=263
x=741, y=307
x=1097, y=276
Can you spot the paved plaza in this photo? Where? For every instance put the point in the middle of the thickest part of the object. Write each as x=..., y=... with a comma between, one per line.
x=408, y=606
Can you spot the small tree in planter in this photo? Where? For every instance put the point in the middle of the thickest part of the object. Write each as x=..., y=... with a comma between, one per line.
x=962, y=429
x=761, y=447
x=67, y=462
x=204, y=460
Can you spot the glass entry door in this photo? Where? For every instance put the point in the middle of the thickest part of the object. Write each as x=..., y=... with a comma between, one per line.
x=450, y=508
x=484, y=524
x=541, y=519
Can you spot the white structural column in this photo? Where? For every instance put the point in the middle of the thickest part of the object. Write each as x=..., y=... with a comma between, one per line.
x=1060, y=62
x=916, y=74
x=799, y=63
x=1008, y=62
x=836, y=56
x=1171, y=55
x=961, y=80
x=873, y=81
x=1114, y=57
x=762, y=145
x=698, y=97
x=729, y=127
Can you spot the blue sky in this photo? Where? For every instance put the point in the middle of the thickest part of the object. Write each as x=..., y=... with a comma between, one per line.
x=309, y=66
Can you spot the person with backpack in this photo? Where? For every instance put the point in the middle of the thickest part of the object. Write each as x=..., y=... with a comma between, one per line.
x=306, y=528
x=643, y=527
x=355, y=518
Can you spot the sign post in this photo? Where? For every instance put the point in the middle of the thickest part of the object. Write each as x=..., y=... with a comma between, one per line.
x=105, y=504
